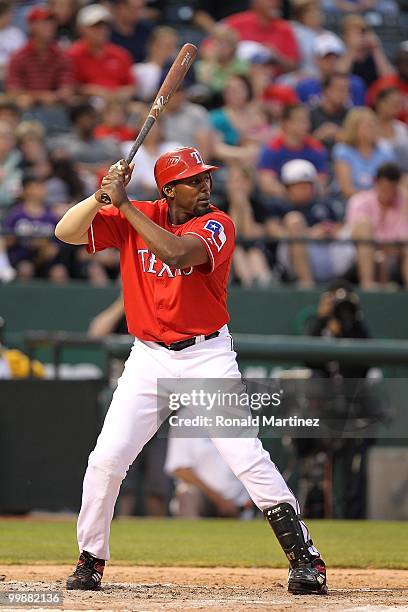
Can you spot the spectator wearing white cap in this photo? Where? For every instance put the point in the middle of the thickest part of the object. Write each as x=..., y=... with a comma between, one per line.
x=101, y=68
x=328, y=50
x=307, y=25
x=301, y=213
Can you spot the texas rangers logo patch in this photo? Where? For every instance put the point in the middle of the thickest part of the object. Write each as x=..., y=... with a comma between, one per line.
x=217, y=232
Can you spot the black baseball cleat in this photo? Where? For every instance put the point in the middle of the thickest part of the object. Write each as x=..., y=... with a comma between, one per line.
x=308, y=578
x=88, y=573
x=307, y=572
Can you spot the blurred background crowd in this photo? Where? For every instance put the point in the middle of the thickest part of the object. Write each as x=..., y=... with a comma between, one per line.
x=303, y=105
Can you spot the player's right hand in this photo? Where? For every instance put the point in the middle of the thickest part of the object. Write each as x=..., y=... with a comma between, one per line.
x=122, y=169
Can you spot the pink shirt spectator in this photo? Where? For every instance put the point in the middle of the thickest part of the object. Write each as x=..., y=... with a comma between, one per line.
x=388, y=223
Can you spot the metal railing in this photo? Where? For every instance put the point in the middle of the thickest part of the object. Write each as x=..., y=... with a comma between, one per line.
x=306, y=349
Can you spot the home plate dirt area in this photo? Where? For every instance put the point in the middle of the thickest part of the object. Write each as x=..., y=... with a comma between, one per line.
x=227, y=589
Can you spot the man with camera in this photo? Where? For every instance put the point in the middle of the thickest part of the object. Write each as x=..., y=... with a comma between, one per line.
x=339, y=315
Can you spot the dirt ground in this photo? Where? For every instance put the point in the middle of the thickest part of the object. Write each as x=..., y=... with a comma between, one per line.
x=228, y=590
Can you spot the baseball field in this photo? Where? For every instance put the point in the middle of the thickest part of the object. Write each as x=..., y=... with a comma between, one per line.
x=208, y=565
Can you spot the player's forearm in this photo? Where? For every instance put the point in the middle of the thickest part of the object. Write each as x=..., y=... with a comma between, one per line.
x=170, y=249
x=74, y=225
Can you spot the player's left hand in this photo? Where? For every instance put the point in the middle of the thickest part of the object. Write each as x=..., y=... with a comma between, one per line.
x=114, y=186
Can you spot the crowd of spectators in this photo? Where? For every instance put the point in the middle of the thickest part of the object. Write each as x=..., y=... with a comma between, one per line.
x=308, y=126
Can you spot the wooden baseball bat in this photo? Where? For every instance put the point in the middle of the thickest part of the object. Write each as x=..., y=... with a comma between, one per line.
x=170, y=84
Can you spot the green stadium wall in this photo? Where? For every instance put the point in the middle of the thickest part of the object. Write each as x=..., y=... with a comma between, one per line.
x=276, y=311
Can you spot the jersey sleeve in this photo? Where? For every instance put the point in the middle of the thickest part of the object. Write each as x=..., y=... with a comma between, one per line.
x=107, y=230
x=217, y=232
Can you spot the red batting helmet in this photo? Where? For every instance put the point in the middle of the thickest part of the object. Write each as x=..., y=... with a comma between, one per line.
x=179, y=164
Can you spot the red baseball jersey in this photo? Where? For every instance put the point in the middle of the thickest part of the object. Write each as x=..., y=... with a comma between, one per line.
x=161, y=303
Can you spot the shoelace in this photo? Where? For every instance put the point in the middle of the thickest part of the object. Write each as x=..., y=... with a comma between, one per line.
x=87, y=564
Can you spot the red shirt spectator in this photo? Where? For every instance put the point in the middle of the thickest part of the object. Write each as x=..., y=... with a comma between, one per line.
x=110, y=67
x=40, y=66
x=114, y=123
x=121, y=133
x=260, y=24
x=34, y=70
x=100, y=67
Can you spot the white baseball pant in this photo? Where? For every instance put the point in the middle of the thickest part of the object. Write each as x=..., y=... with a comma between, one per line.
x=132, y=419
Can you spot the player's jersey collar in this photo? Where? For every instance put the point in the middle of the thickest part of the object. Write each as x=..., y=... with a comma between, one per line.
x=212, y=209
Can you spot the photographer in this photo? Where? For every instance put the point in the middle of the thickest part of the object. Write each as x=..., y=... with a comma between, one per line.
x=339, y=315
x=343, y=472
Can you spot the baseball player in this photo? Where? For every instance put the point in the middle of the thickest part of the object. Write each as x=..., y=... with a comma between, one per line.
x=175, y=258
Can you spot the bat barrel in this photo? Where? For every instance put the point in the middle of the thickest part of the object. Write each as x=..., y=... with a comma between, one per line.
x=170, y=84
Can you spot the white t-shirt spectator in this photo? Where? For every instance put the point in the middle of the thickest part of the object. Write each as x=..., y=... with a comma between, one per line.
x=143, y=174
x=398, y=143
x=147, y=76
x=11, y=40
x=184, y=125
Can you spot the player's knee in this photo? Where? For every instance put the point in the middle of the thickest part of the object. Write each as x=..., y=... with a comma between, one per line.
x=113, y=462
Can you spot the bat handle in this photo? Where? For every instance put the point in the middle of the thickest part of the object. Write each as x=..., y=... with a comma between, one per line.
x=144, y=130
x=103, y=197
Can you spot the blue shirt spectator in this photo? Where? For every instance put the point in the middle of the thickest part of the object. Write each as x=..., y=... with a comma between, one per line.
x=328, y=53
x=363, y=169
x=293, y=142
x=221, y=122
x=357, y=158
x=129, y=29
x=278, y=152
x=310, y=90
